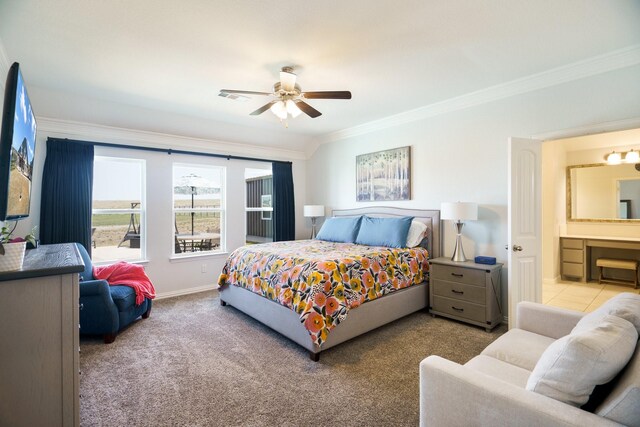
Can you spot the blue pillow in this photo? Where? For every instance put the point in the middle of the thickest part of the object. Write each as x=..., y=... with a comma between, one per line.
x=343, y=230
x=390, y=232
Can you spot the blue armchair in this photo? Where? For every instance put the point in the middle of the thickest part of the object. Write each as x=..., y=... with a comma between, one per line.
x=105, y=309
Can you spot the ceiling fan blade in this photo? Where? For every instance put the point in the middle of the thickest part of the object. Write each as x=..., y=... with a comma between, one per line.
x=262, y=109
x=336, y=94
x=247, y=92
x=308, y=109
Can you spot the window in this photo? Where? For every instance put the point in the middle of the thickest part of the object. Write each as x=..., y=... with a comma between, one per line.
x=259, y=205
x=118, y=210
x=265, y=202
x=198, y=208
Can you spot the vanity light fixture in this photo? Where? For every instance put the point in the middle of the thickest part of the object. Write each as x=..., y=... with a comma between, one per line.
x=615, y=158
x=632, y=157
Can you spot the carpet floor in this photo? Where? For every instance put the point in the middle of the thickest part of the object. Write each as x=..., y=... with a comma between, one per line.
x=196, y=363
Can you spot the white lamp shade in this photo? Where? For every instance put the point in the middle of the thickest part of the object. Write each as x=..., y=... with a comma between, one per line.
x=313, y=211
x=459, y=211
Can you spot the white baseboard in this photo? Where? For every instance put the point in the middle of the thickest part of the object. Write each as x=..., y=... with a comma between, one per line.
x=187, y=291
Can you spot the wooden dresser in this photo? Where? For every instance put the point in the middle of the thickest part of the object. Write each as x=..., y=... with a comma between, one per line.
x=39, y=339
x=465, y=291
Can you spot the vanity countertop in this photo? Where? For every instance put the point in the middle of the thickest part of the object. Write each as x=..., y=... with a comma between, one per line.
x=584, y=236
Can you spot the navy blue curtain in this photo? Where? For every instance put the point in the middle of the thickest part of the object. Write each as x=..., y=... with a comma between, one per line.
x=67, y=184
x=284, y=215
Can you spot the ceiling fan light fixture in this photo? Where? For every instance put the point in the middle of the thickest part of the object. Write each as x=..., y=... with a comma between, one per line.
x=279, y=110
x=293, y=109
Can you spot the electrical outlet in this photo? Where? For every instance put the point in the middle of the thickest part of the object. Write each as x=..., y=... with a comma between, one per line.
x=203, y=268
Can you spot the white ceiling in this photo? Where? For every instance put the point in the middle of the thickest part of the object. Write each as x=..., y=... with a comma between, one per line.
x=158, y=65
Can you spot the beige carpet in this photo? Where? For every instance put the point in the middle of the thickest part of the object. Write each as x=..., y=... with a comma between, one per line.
x=196, y=363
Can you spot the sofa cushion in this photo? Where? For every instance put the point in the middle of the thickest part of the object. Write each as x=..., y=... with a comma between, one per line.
x=572, y=366
x=498, y=369
x=123, y=296
x=625, y=305
x=519, y=347
x=622, y=403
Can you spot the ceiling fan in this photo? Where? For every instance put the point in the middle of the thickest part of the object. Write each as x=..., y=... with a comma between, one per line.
x=290, y=100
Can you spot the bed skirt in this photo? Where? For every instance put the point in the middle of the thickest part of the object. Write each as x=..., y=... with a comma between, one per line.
x=360, y=320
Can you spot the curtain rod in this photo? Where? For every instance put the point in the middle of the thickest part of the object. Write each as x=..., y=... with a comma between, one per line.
x=169, y=150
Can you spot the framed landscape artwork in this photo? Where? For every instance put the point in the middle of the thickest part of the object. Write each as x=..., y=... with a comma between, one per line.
x=384, y=175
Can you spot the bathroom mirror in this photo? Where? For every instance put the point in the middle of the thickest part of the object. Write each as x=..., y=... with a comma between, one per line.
x=603, y=193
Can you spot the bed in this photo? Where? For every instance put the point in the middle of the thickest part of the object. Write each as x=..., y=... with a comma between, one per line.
x=318, y=327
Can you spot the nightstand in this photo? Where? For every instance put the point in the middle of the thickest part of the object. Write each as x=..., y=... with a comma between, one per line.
x=465, y=291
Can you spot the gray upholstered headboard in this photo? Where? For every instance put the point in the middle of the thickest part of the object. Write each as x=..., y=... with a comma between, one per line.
x=430, y=217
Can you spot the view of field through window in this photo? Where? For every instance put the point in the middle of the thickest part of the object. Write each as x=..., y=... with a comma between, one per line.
x=116, y=226
x=198, y=207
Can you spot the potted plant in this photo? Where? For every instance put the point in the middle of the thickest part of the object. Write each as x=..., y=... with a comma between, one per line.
x=12, y=249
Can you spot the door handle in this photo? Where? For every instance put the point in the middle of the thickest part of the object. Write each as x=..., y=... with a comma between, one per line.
x=517, y=248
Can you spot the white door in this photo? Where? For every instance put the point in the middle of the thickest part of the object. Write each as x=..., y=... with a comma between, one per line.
x=525, y=233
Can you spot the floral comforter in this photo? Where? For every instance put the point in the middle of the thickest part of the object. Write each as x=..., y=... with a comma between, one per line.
x=322, y=280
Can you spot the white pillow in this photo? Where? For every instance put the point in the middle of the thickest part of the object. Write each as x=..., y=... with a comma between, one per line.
x=573, y=365
x=416, y=233
x=625, y=305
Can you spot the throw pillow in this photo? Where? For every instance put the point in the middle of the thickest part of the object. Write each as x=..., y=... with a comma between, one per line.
x=573, y=365
x=416, y=233
x=341, y=230
x=625, y=305
x=390, y=232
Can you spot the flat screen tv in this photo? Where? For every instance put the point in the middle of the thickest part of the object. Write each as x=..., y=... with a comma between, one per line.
x=17, y=148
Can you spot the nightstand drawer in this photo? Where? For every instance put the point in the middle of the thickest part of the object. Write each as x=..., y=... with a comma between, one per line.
x=572, y=255
x=459, y=308
x=459, y=275
x=459, y=291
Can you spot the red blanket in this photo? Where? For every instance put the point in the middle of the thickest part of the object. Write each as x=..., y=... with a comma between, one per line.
x=124, y=273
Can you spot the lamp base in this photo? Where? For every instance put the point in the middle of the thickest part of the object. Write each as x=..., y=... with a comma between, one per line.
x=313, y=228
x=458, y=251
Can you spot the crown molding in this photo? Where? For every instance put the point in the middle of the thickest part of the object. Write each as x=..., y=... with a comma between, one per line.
x=613, y=126
x=611, y=61
x=91, y=132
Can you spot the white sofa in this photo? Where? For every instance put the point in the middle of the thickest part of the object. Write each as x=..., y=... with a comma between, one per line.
x=490, y=390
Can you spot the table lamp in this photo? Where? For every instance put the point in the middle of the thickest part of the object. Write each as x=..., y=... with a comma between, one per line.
x=313, y=212
x=458, y=212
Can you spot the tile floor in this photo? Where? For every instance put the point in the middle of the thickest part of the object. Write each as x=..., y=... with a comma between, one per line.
x=581, y=296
